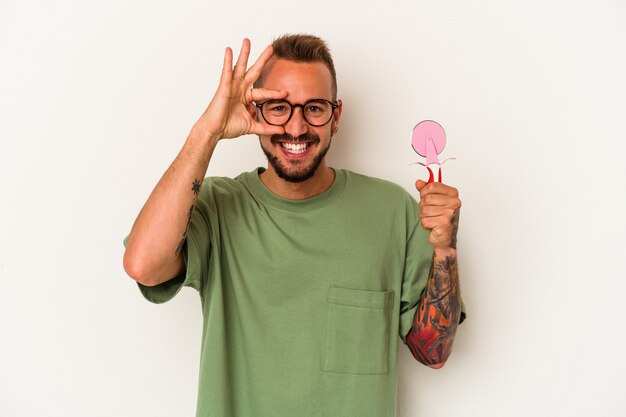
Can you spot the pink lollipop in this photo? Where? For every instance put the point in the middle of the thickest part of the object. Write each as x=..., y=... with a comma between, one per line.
x=428, y=140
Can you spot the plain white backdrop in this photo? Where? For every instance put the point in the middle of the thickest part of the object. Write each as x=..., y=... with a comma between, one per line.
x=96, y=99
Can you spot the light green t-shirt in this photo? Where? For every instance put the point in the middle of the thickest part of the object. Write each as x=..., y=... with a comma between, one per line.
x=303, y=301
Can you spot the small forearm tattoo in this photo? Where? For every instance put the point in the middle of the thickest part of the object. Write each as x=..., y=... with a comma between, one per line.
x=195, y=188
x=432, y=334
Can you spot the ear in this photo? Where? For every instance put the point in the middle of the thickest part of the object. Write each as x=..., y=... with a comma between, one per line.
x=336, y=116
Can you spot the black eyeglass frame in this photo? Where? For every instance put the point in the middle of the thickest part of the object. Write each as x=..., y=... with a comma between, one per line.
x=334, y=106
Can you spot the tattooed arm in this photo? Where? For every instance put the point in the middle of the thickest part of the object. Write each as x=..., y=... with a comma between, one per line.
x=432, y=334
x=153, y=251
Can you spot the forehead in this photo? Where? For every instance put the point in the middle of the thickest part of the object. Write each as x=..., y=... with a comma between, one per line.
x=301, y=80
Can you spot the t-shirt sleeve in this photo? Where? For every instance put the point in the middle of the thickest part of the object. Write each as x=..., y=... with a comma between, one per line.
x=196, y=253
x=418, y=263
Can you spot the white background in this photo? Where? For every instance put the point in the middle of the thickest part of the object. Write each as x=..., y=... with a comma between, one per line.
x=97, y=97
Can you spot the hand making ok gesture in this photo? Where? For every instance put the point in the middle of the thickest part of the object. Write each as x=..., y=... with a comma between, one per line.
x=231, y=112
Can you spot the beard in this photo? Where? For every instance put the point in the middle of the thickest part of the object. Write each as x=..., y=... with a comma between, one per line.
x=301, y=173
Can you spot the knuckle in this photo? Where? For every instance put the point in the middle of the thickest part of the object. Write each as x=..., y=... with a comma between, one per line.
x=428, y=222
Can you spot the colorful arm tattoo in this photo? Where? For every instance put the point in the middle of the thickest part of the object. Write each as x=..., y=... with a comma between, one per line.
x=431, y=336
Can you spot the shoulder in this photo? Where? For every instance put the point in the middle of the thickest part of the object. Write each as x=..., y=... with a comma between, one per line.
x=382, y=201
x=216, y=191
x=377, y=187
x=219, y=184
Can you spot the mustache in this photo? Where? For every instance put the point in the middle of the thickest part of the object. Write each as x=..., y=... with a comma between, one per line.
x=286, y=137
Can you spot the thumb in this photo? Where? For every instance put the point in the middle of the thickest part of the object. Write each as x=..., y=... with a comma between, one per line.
x=263, y=129
x=419, y=184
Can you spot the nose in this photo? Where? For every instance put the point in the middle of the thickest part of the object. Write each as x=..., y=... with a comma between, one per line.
x=296, y=126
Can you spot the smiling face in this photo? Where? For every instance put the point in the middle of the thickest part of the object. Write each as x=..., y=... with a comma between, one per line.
x=298, y=155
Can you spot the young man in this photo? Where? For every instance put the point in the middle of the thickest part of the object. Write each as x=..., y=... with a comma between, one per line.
x=306, y=273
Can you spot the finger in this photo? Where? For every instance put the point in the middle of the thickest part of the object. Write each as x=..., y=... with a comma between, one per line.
x=419, y=184
x=242, y=60
x=260, y=95
x=265, y=129
x=439, y=188
x=445, y=213
x=428, y=222
x=255, y=70
x=227, y=69
x=432, y=223
x=432, y=199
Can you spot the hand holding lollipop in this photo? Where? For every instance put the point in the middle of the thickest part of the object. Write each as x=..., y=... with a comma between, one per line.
x=439, y=203
x=428, y=140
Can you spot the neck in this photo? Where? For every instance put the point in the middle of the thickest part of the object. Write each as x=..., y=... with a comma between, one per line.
x=317, y=184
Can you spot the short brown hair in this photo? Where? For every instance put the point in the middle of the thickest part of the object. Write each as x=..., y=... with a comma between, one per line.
x=304, y=48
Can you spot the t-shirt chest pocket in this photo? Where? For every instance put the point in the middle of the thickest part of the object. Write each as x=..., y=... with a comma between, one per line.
x=358, y=331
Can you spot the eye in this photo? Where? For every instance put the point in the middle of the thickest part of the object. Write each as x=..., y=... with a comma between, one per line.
x=280, y=107
x=316, y=108
x=313, y=108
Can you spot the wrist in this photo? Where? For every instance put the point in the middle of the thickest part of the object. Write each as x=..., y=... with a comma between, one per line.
x=444, y=252
x=199, y=132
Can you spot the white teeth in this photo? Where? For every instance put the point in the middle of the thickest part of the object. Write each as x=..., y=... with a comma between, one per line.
x=294, y=147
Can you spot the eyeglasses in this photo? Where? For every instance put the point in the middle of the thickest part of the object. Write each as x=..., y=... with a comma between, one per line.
x=316, y=112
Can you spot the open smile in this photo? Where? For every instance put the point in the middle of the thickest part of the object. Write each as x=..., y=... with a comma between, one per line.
x=296, y=150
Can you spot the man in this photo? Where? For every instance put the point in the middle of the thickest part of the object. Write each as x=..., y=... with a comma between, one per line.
x=306, y=273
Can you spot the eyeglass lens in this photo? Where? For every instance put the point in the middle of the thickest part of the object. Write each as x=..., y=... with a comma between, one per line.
x=315, y=112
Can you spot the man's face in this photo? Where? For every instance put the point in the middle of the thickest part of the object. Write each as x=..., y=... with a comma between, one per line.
x=297, y=155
